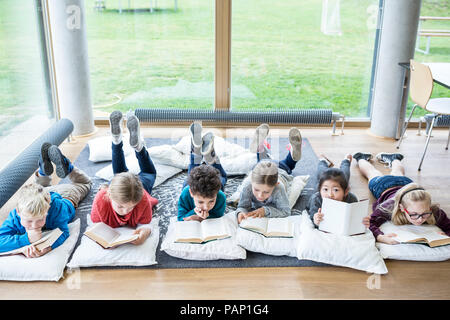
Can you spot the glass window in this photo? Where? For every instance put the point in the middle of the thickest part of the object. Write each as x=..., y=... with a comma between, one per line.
x=25, y=98
x=303, y=54
x=158, y=58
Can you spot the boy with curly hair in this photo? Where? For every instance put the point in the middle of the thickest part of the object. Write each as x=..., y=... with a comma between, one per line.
x=202, y=196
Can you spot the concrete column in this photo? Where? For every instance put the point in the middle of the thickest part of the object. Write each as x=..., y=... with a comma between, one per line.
x=70, y=60
x=400, y=19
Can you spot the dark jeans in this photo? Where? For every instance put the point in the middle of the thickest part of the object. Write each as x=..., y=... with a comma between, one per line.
x=288, y=164
x=195, y=163
x=345, y=168
x=148, y=170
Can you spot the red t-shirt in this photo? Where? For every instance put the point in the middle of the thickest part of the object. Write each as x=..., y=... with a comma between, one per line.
x=102, y=211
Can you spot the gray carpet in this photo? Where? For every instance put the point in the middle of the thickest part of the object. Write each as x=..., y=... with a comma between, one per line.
x=167, y=193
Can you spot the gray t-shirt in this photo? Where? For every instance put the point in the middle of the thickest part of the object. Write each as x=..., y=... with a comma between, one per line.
x=276, y=206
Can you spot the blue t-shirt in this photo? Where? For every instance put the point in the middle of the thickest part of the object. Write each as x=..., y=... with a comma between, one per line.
x=13, y=235
x=186, y=205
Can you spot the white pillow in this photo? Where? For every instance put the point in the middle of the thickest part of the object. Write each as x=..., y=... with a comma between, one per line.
x=163, y=172
x=253, y=241
x=410, y=251
x=100, y=148
x=235, y=159
x=49, y=267
x=169, y=156
x=357, y=252
x=220, y=249
x=294, y=189
x=90, y=254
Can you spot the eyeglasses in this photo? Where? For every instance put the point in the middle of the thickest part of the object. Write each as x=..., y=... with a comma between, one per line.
x=416, y=216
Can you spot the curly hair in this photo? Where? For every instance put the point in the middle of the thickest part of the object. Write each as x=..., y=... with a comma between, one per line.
x=204, y=180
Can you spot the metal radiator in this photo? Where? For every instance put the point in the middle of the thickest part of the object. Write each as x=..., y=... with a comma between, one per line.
x=17, y=172
x=308, y=116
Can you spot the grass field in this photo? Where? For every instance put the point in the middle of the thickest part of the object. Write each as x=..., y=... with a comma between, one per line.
x=165, y=59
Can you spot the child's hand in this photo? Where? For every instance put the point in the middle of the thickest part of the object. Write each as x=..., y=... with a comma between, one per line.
x=194, y=217
x=387, y=238
x=32, y=252
x=201, y=213
x=143, y=233
x=34, y=235
x=258, y=213
x=366, y=221
x=318, y=217
x=241, y=216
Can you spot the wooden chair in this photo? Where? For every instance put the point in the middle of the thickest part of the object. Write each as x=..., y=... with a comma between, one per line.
x=420, y=89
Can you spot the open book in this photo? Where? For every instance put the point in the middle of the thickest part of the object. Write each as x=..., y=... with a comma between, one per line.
x=269, y=227
x=201, y=232
x=46, y=241
x=108, y=237
x=343, y=218
x=408, y=233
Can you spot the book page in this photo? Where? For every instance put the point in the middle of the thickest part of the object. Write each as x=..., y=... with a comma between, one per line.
x=213, y=228
x=188, y=230
x=334, y=216
x=280, y=227
x=103, y=231
x=358, y=210
x=255, y=224
x=411, y=232
x=125, y=235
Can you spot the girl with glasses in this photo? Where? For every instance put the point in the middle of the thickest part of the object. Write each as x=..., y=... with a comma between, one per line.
x=399, y=199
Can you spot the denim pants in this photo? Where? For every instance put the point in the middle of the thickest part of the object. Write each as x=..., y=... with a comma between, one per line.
x=288, y=164
x=196, y=161
x=345, y=168
x=147, y=175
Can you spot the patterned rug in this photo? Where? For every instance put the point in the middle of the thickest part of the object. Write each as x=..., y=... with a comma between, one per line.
x=168, y=192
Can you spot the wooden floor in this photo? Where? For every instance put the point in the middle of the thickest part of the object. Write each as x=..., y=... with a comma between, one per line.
x=405, y=280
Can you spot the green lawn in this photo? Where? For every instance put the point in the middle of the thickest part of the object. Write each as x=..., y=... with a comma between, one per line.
x=165, y=59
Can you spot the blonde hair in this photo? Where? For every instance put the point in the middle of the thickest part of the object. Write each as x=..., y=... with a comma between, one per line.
x=126, y=187
x=33, y=199
x=405, y=196
x=265, y=172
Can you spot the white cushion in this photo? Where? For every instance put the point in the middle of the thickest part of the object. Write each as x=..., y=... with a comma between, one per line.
x=100, y=148
x=90, y=254
x=357, y=252
x=168, y=155
x=220, y=249
x=411, y=251
x=235, y=159
x=253, y=241
x=49, y=267
x=163, y=172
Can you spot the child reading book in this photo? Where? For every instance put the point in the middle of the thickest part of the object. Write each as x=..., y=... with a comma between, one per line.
x=263, y=195
x=399, y=199
x=202, y=196
x=333, y=184
x=127, y=200
x=41, y=206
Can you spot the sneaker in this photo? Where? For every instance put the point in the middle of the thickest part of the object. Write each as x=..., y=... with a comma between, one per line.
x=330, y=163
x=116, y=122
x=208, y=148
x=62, y=164
x=295, y=140
x=45, y=165
x=388, y=158
x=134, y=128
x=195, y=130
x=362, y=155
x=259, y=137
